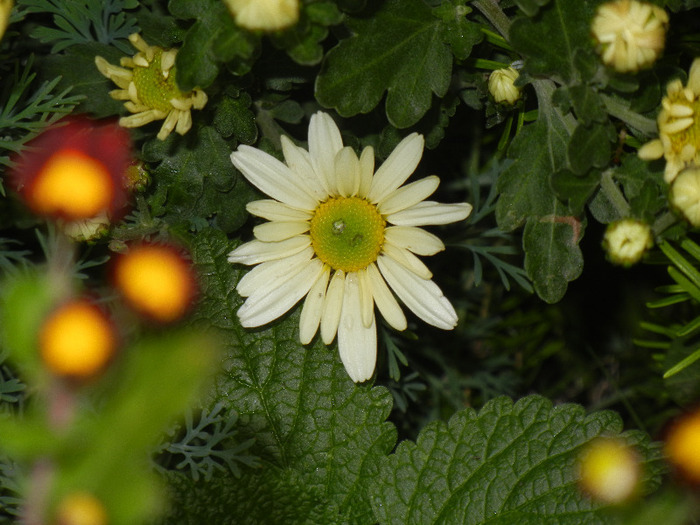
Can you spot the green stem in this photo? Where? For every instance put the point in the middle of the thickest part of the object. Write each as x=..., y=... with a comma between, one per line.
x=493, y=13
x=614, y=195
x=620, y=110
x=664, y=222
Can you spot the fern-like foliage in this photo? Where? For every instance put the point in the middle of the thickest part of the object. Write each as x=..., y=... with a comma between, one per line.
x=205, y=445
x=682, y=337
x=26, y=109
x=83, y=21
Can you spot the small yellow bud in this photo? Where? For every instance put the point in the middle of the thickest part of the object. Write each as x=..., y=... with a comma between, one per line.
x=77, y=340
x=502, y=87
x=80, y=508
x=156, y=281
x=682, y=447
x=685, y=195
x=627, y=240
x=609, y=470
x=265, y=15
x=631, y=34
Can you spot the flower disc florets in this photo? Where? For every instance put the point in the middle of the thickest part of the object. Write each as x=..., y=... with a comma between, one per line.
x=679, y=126
x=631, y=34
x=148, y=84
x=345, y=237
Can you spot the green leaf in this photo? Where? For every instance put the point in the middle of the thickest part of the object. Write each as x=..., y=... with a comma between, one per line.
x=195, y=181
x=399, y=50
x=459, y=32
x=575, y=190
x=213, y=39
x=232, y=116
x=530, y=7
x=549, y=41
x=590, y=147
x=319, y=436
x=552, y=253
x=508, y=463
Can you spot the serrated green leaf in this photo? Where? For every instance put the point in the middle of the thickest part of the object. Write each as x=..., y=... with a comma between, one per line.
x=459, y=32
x=587, y=104
x=552, y=253
x=589, y=147
x=399, y=50
x=195, y=182
x=509, y=463
x=575, y=190
x=233, y=117
x=319, y=436
x=549, y=41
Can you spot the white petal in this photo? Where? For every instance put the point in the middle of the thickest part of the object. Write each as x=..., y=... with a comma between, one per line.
x=430, y=212
x=268, y=273
x=279, y=230
x=366, y=171
x=273, y=177
x=332, y=307
x=299, y=161
x=408, y=195
x=407, y=260
x=366, y=299
x=276, y=211
x=415, y=239
x=384, y=299
x=347, y=172
x=423, y=297
x=255, y=252
x=313, y=307
x=397, y=168
x=260, y=309
x=324, y=144
x=357, y=344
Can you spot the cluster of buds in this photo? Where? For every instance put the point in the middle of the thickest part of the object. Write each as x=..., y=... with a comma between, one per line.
x=631, y=34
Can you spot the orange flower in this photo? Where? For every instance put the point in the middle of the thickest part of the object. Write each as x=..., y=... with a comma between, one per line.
x=156, y=281
x=682, y=446
x=77, y=340
x=74, y=170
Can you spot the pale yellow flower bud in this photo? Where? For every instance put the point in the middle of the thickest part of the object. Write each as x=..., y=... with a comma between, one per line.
x=625, y=241
x=5, y=8
x=631, y=34
x=502, y=87
x=265, y=15
x=685, y=195
x=609, y=470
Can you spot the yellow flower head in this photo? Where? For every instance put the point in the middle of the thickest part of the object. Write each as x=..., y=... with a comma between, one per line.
x=502, y=85
x=627, y=240
x=147, y=82
x=265, y=15
x=81, y=508
x=631, y=34
x=679, y=129
x=5, y=8
x=609, y=470
x=682, y=446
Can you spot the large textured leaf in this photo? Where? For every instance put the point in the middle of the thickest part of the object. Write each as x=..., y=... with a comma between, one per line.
x=318, y=435
x=509, y=463
x=400, y=50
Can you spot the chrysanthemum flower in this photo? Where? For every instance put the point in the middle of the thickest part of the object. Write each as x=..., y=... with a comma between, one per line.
x=74, y=170
x=679, y=126
x=631, y=34
x=338, y=233
x=502, y=85
x=77, y=340
x=627, y=240
x=265, y=15
x=609, y=470
x=156, y=281
x=148, y=84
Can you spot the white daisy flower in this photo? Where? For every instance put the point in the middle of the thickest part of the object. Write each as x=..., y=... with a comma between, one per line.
x=338, y=234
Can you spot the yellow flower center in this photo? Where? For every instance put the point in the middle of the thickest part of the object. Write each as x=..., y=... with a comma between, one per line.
x=347, y=233
x=156, y=88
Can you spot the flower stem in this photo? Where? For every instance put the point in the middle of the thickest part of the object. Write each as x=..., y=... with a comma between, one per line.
x=620, y=110
x=664, y=222
x=614, y=195
x=493, y=13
